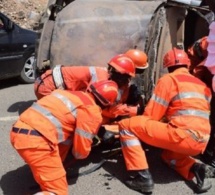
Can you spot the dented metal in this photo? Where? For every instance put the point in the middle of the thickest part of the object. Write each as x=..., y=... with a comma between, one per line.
x=89, y=32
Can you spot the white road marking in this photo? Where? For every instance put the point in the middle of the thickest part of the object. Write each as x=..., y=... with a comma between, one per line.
x=9, y=118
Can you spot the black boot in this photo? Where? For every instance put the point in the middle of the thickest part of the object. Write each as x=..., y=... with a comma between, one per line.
x=199, y=170
x=208, y=158
x=141, y=182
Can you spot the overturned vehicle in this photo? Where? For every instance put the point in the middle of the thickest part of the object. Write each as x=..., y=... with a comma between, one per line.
x=89, y=32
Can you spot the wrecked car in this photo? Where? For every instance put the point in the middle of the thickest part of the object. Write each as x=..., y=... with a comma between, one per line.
x=80, y=32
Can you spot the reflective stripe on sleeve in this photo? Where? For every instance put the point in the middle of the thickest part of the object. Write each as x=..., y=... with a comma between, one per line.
x=197, y=113
x=84, y=133
x=67, y=103
x=159, y=100
x=186, y=95
x=58, y=78
x=47, y=114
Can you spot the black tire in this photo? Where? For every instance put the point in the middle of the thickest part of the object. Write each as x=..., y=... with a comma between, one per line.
x=27, y=74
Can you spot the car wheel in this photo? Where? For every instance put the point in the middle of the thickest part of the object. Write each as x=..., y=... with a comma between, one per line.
x=28, y=73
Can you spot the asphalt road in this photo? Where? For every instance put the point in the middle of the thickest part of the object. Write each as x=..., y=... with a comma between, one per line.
x=16, y=178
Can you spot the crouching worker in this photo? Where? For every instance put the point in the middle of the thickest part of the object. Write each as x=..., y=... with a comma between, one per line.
x=47, y=130
x=184, y=101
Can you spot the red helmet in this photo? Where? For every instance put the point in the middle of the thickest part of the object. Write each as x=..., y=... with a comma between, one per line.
x=123, y=64
x=105, y=91
x=175, y=57
x=138, y=57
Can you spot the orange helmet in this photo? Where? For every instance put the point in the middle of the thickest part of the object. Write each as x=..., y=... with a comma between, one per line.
x=105, y=91
x=175, y=57
x=138, y=57
x=123, y=64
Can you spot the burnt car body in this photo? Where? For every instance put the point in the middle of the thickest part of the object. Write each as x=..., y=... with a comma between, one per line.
x=79, y=32
x=17, y=51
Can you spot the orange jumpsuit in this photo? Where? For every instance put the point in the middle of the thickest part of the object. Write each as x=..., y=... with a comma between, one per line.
x=184, y=101
x=47, y=130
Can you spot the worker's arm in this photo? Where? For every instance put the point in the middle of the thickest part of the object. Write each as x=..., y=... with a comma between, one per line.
x=87, y=124
x=159, y=102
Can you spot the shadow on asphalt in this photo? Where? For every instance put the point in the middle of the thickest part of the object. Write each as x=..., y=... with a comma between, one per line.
x=9, y=83
x=21, y=182
x=20, y=107
x=18, y=181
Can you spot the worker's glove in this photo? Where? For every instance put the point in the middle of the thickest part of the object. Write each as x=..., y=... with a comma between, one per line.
x=133, y=96
x=106, y=136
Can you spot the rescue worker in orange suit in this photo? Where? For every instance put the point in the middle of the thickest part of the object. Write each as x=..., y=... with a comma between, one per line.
x=184, y=101
x=44, y=132
x=198, y=54
x=130, y=102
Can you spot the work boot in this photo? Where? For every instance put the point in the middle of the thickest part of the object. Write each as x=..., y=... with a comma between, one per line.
x=208, y=158
x=199, y=170
x=141, y=182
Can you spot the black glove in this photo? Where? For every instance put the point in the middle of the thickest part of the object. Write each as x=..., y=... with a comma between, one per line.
x=106, y=136
x=133, y=96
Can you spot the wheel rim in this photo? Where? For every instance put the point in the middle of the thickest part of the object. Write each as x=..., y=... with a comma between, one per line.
x=29, y=68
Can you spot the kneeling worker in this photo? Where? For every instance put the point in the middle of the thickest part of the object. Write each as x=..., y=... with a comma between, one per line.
x=184, y=101
x=47, y=130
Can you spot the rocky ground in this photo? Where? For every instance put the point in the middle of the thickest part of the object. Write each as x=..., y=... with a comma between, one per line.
x=26, y=13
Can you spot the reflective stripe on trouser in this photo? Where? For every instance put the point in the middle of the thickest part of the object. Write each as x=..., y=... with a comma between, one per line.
x=161, y=135
x=44, y=161
x=131, y=143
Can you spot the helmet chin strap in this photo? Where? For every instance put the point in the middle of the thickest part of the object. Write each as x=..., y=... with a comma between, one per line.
x=99, y=97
